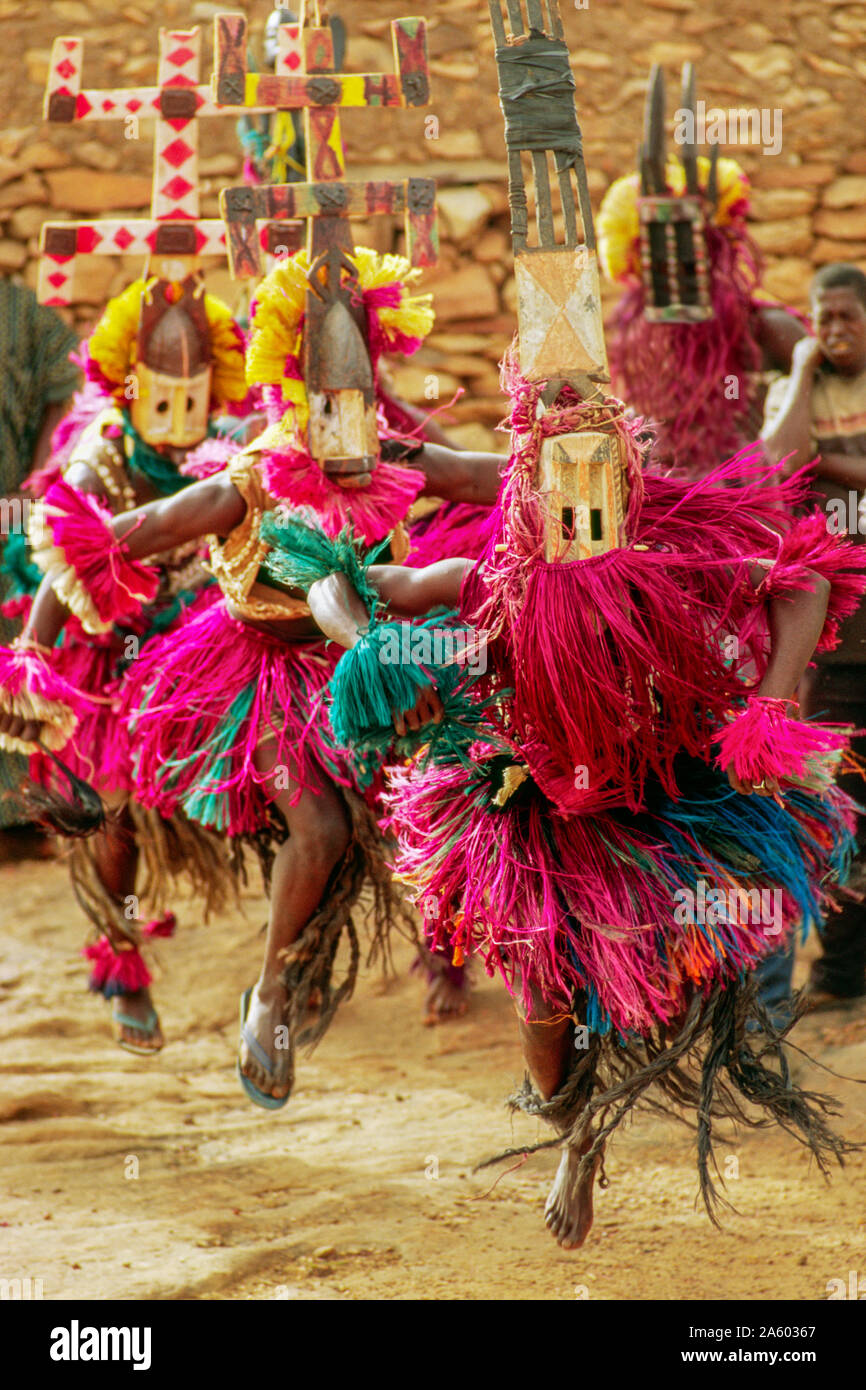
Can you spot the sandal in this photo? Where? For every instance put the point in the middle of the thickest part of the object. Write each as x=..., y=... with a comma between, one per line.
x=147, y=1026
x=256, y=1096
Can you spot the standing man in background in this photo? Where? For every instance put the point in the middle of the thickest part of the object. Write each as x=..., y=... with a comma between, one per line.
x=819, y=412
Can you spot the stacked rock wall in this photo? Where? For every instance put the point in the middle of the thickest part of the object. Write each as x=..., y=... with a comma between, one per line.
x=804, y=58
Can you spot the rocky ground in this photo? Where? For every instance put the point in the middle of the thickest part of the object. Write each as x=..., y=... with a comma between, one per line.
x=155, y=1178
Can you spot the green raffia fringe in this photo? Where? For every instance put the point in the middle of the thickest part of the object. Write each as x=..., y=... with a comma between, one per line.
x=383, y=673
x=303, y=554
x=23, y=576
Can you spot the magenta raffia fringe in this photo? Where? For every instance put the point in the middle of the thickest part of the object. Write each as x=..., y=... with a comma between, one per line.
x=764, y=740
x=810, y=548
x=454, y=530
x=116, y=972
x=201, y=701
x=297, y=480
x=96, y=752
x=32, y=688
x=679, y=375
x=81, y=529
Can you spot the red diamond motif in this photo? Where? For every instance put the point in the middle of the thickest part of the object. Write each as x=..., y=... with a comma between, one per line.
x=180, y=56
x=177, y=153
x=133, y=104
x=82, y=106
x=69, y=44
x=177, y=188
x=123, y=238
x=293, y=60
x=108, y=104
x=200, y=241
x=58, y=278
x=65, y=69
x=88, y=239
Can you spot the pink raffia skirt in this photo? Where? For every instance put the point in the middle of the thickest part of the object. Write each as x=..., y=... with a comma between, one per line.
x=201, y=701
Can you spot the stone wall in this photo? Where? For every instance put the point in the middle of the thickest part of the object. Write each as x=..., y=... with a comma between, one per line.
x=805, y=57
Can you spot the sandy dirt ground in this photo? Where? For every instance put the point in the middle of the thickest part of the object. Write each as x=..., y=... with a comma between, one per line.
x=156, y=1179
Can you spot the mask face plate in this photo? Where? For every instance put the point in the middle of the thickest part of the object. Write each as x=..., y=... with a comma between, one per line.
x=343, y=432
x=169, y=409
x=673, y=259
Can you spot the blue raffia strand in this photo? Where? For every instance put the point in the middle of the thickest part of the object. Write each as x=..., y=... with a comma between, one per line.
x=303, y=554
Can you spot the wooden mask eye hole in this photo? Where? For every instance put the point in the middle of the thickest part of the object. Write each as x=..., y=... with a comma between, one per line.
x=162, y=407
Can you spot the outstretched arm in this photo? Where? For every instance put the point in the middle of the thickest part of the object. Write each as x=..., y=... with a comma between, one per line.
x=342, y=616
x=796, y=621
x=212, y=507
x=459, y=475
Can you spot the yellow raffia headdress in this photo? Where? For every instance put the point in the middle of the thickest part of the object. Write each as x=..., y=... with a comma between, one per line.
x=113, y=345
x=618, y=222
x=398, y=321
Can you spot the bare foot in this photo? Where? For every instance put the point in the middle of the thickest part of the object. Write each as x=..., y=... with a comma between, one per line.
x=266, y=1022
x=137, y=1021
x=447, y=997
x=568, y=1210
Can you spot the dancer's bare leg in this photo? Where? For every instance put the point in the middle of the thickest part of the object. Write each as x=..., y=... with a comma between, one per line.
x=547, y=1042
x=318, y=838
x=116, y=856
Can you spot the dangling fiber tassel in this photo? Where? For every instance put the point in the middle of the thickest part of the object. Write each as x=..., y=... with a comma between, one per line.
x=116, y=972
x=163, y=926
x=763, y=741
x=709, y=1062
x=77, y=813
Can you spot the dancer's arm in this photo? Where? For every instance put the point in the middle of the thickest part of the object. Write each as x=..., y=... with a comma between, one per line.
x=342, y=616
x=459, y=475
x=789, y=432
x=796, y=621
x=212, y=507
